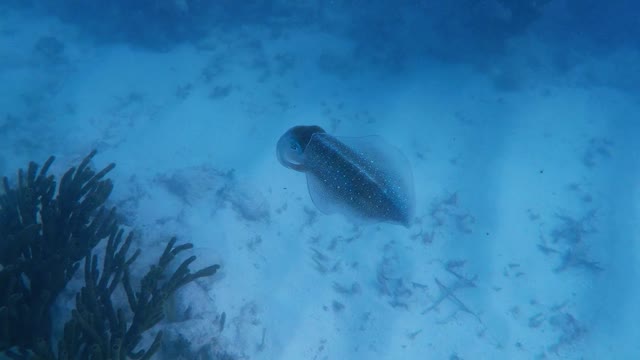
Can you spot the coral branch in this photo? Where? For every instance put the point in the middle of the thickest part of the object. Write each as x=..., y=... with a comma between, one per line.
x=45, y=230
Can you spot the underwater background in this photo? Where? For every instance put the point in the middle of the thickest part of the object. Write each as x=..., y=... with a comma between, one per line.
x=519, y=120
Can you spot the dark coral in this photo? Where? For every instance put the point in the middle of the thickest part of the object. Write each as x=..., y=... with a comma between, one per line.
x=45, y=231
x=43, y=235
x=97, y=330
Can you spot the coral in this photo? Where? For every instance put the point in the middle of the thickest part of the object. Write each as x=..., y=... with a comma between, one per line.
x=97, y=330
x=43, y=235
x=45, y=231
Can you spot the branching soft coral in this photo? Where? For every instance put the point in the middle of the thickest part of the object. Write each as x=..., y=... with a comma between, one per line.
x=44, y=233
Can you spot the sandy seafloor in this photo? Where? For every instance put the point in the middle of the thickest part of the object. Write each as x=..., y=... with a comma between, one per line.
x=525, y=242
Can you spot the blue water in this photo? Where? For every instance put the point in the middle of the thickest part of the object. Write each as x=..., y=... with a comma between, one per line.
x=519, y=120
